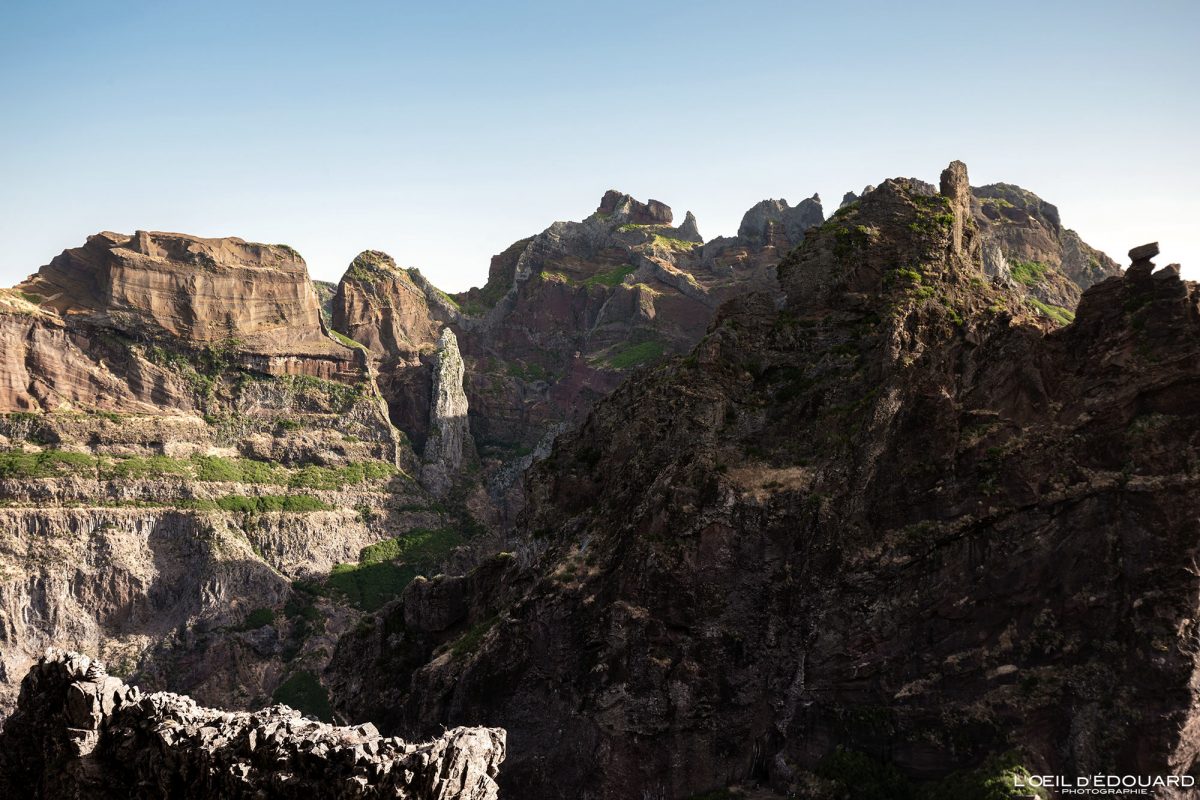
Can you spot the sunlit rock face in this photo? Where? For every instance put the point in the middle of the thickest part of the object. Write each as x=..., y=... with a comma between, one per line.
x=448, y=432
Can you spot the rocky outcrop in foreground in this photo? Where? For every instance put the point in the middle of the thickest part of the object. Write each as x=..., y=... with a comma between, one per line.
x=81, y=733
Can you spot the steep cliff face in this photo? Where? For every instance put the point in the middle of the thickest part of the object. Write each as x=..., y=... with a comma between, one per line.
x=47, y=365
x=449, y=437
x=903, y=527
x=82, y=733
x=127, y=323
x=189, y=498
x=397, y=316
x=383, y=308
x=188, y=287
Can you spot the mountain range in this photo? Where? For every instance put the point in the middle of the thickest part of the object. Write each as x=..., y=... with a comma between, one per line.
x=891, y=503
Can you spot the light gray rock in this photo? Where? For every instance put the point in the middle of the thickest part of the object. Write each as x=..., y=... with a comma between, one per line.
x=772, y=220
x=448, y=426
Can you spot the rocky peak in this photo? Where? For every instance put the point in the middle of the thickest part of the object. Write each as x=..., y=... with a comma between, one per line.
x=369, y=265
x=781, y=532
x=771, y=220
x=388, y=309
x=866, y=250
x=1015, y=204
x=689, y=231
x=79, y=732
x=956, y=188
x=622, y=206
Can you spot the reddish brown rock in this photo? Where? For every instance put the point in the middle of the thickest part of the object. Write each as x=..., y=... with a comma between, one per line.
x=200, y=290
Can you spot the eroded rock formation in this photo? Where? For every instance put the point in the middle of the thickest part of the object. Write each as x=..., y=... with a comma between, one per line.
x=80, y=733
x=774, y=222
x=449, y=436
x=738, y=571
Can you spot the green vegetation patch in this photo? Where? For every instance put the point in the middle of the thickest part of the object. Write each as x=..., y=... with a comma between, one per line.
x=612, y=277
x=420, y=546
x=1029, y=273
x=257, y=619
x=996, y=779
x=385, y=568
x=317, y=477
x=671, y=243
x=290, y=503
x=635, y=354
x=234, y=470
x=346, y=340
x=304, y=692
x=46, y=464
x=369, y=586
x=469, y=642
x=209, y=469
x=865, y=778
x=1056, y=313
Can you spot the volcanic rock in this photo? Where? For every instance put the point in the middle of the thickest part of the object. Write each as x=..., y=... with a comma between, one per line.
x=448, y=427
x=1026, y=247
x=737, y=572
x=623, y=206
x=80, y=733
x=774, y=222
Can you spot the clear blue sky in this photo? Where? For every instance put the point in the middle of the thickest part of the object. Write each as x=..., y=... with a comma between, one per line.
x=442, y=132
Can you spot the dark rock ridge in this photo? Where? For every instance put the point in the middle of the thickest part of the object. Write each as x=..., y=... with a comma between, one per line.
x=79, y=733
x=902, y=526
